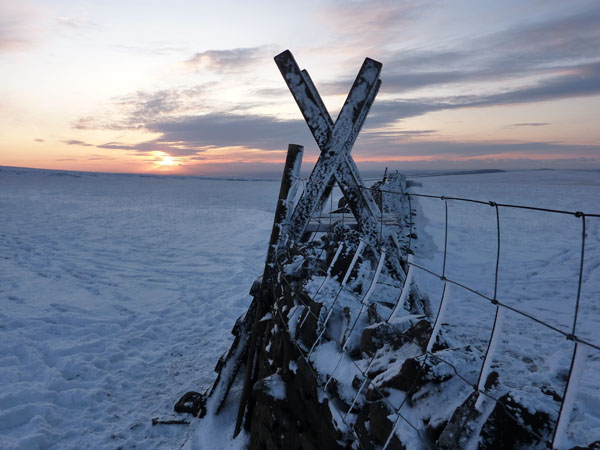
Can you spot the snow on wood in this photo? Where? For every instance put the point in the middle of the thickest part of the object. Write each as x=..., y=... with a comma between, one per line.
x=168, y=307
x=334, y=140
x=349, y=354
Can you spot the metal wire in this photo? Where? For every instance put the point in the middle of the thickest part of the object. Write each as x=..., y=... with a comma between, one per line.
x=396, y=410
x=482, y=202
x=445, y=238
x=479, y=386
x=580, y=273
x=515, y=310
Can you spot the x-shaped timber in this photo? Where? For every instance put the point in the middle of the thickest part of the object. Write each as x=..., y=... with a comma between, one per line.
x=335, y=141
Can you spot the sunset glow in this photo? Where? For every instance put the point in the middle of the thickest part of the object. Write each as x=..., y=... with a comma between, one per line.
x=166, y=161
x=192, y=88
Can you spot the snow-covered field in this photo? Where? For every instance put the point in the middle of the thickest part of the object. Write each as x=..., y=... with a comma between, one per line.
x=119, y=292
x=118, y=295
x=540, y=256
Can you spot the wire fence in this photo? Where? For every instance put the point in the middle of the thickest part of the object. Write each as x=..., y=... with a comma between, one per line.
x=578, y=355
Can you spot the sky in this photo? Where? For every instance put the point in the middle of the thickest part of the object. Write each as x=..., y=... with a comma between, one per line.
x=190, y=87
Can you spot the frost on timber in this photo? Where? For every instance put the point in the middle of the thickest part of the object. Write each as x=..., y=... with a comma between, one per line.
x=339, y=348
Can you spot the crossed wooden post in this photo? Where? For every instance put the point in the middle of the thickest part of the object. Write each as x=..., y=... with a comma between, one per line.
x=335, y=141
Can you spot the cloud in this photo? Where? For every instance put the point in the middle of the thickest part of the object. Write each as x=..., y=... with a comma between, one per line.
x=538, y=48
x=191, y=135
x=565, y=38
x=379, y=20
x=580, y=82
x=271, y=92
x=537, y=60
x=142, y=107
x=85, y=123
x=405, y=133
x=152, y=146
x=96, y=157
x=583, y=80
x=77, y=23
x=194, y=137
x=382, y=147
x=152, y=48
x=416, y=132
x=76, y=142
x=39, y=140
x=19, y=26
x=12, y=36
x=225, y=130
x=386, y=112
x=530, y=124
x=232, y=60
x=134, y=111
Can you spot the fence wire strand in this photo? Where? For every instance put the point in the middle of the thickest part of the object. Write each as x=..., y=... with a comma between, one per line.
x=479, y=386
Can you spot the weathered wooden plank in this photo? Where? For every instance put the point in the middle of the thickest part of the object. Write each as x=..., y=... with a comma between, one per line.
x=319, y=102
x=294, y=156
x=292, y=164
x=249, y=375
x=232, y=362
x=328, y=167
x=308, y=106
x=327, y=135
x=354, y=182
x=342, y=138
x=349, y=176
x=352, y=169
x=356, y=198
x=294, y=174
x=326, y=117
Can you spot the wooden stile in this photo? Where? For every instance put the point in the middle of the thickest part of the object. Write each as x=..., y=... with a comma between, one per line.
x=335, y=141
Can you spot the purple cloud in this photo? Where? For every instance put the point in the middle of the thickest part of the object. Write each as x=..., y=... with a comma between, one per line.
x=232, y=60
x=76, y=142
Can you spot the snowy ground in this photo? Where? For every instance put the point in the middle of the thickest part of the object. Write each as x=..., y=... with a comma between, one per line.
x=119, y=292
x=540, y=256
x=118, y=295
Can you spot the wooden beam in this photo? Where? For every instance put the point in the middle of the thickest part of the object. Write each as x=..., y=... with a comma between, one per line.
x=365, y=197
x=294, y=157
x=335, y=140
x=308, y=106
x=290, y=170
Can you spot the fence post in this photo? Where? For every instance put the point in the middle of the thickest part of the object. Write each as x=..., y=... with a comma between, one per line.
x=290, y=171
x=292, y=164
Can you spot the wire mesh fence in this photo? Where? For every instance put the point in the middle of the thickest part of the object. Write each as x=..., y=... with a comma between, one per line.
x=580, y=345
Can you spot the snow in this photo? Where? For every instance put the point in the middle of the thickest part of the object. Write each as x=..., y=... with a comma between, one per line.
x=486, y=367
x=119, y=293
x=276, y=386
x=538, y=273
x=329, y=361
x=580, y=357
x=359, y=250
x=213, y=432
x=405, y=291
x=293, y=318
x=444, y=304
